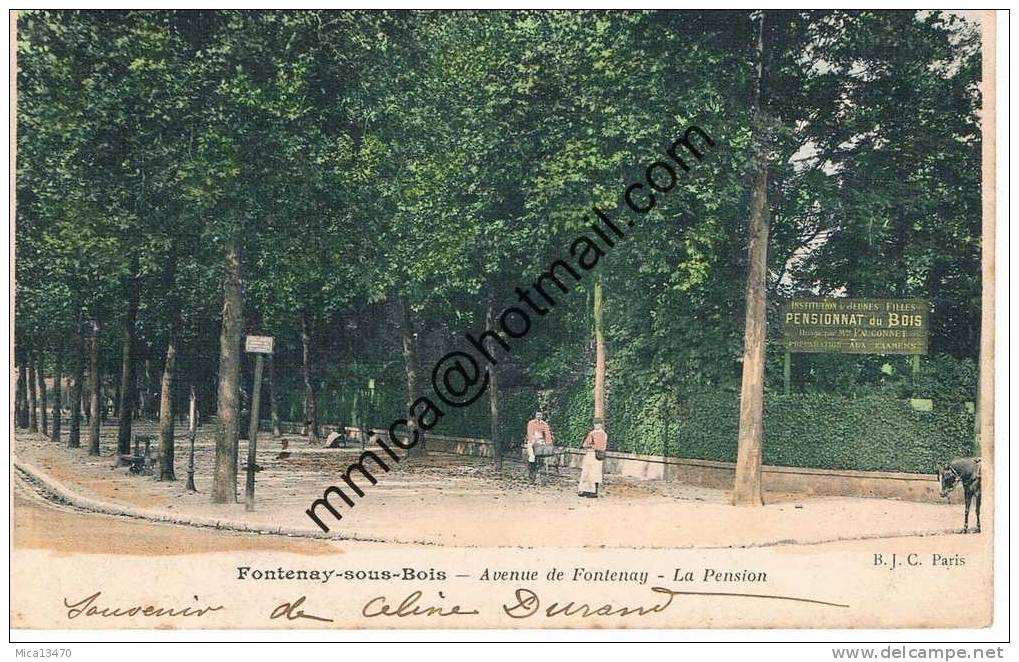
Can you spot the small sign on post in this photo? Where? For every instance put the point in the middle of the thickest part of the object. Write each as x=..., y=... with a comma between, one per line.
x=259, y=346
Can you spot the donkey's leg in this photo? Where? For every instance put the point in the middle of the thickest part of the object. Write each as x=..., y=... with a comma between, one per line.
x=978, y=511
x=965, y=520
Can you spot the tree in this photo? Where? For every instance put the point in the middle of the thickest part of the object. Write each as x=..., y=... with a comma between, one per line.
x=128, y=380
x=367, y=187
x=747, y=486
x=599, y=353
x=77, y=384
x=166, y=408
x=21, y=396
x=94, y=385
x=224, y=484
x=33, y=398
x=43, y=399
x=58, y=396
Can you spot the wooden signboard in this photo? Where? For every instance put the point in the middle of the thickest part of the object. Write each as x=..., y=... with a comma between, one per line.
x=856, y=326
x=258, y=344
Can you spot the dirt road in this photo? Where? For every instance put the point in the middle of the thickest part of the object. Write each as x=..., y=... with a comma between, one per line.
x=461, y=501
x=40, y=523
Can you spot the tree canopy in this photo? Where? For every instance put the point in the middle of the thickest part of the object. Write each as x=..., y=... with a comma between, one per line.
x=374, y=179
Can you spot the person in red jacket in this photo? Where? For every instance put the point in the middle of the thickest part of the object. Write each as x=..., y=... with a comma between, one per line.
x=594, y=447
x=538, y=432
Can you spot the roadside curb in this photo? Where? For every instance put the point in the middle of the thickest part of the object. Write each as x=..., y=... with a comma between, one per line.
x=57, y=491
x=62, y=493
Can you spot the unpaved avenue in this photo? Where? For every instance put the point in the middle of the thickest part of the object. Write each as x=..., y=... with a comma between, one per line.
x=41, y=523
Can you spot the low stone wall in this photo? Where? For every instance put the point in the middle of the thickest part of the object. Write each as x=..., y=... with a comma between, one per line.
x=719, y=475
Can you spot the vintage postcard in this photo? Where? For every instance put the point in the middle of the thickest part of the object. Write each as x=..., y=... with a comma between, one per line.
x=337, y=319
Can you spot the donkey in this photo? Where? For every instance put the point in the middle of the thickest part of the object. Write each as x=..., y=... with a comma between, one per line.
x=965, y=470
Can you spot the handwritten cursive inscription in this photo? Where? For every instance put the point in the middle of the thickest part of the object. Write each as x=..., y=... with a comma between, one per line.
x=527, y=604
x=91, y=606
x=409, y=607
x=290, y=611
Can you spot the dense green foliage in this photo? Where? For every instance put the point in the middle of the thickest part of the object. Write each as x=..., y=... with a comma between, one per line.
x=875, y=428
x=368, y=163
x=871, y=432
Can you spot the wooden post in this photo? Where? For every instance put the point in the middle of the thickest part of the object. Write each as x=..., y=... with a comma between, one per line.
x=787, y=370
x=192, y=430
x=256, y=393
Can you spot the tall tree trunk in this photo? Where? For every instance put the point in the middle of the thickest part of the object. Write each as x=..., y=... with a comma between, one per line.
x=21, y=394
x=106, y=403
x=167, y=385
x=166, y=450
x=95, y=415
x=33, y=398
x=410, y=362
x=310, y=397
x=274, y=397
x=493, y=390
x=43, y=400
x=192, y=431
x=599, y=354
x=77, y=382
x=747, y=484
x=224, y=478
x=58, y=397
x=127, y=394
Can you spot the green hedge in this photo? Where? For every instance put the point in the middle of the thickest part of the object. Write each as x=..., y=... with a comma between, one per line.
x=876, y=432
x=870, y=433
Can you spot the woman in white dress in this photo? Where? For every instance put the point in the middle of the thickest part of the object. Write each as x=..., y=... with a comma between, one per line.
x=594, y=447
